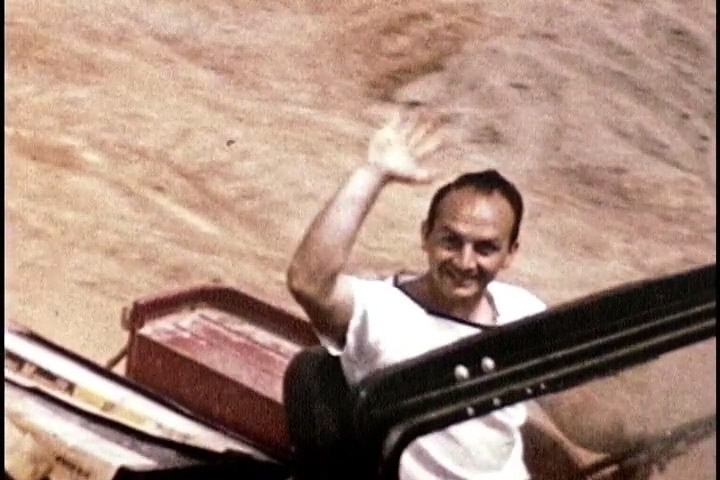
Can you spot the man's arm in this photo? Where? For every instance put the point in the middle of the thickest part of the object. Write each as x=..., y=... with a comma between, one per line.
x=623, y=411
x=594, y=416
x=315, y=276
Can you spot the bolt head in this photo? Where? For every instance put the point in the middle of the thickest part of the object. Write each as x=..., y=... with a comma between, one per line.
x=461, y=373
x=487, y=364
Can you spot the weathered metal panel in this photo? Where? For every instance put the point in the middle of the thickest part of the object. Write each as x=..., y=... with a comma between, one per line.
x=221, y=358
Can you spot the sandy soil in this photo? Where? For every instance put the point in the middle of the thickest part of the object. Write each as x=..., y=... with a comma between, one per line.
x=152, y=145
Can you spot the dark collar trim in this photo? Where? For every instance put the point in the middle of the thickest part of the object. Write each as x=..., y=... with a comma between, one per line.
x=443, y=316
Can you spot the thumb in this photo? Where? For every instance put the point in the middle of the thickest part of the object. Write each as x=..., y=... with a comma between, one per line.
x=424, y=175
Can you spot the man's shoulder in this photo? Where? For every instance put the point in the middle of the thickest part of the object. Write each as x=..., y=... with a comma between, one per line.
x=371, y=278
x=382, y=296
x=373, y=284
x=383, y=280
x=514, y=300
x=510, y=290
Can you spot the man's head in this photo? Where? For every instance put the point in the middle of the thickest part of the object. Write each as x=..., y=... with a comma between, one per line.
x=484, y=182
x=471, y=233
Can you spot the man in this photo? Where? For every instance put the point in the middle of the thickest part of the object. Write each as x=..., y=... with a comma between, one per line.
x=471, y=233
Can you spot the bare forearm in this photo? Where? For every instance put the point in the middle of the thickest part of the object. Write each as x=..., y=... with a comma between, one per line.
x=614, y=413
x=327, y=244
x=606, y=415
x=315, y=274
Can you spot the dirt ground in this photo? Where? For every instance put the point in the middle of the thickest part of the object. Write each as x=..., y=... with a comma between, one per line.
x=153, y=145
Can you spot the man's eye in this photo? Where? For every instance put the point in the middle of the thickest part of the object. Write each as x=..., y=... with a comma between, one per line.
x=451, y=241
x=486, y=248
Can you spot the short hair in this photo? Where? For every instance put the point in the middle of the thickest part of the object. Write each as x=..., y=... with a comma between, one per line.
x=487, y=182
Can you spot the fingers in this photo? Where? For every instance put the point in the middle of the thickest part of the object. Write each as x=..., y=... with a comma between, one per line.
x=419, y=130
x=428, y=144
x=403, y=122
x=425, y=176
x=408, y=121
x=419, y=176
x=409, y=136
x=427, y=136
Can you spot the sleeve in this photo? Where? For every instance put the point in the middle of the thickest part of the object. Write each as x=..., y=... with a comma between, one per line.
x=363, y=350
x=518, y=303
x=358, y=313
x=533, y=304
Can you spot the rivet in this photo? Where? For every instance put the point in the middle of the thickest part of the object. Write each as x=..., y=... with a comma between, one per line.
x=470, y=411
x=529, y=391
x=461, y=372
x=487, y=364
x=497, y=402
x=543, y=386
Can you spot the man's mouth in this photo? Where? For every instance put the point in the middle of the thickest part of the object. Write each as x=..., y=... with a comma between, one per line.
x=460, y=278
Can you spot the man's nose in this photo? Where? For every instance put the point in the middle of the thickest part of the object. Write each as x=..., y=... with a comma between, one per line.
x=466, y=259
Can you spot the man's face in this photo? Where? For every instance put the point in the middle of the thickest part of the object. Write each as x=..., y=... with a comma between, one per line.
x=469, y=243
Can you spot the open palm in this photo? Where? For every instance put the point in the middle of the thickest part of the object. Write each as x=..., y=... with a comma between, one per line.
x=400, y=147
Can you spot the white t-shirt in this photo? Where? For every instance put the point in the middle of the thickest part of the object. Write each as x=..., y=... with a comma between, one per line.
x=387, y=327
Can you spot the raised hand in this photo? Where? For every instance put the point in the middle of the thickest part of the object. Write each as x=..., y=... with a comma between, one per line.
x=398, y=150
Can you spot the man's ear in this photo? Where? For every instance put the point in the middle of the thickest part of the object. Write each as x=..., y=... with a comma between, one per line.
x=511, y=254
x=424, y=232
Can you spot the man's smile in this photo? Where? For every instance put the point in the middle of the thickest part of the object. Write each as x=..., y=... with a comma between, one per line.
x=464, y=279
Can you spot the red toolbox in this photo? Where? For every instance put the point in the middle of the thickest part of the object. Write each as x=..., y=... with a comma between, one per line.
x=219, y=353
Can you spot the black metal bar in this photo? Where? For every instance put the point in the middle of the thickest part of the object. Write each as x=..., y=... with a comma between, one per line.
x=401, y=435
x=545, y=334
x=559, y=359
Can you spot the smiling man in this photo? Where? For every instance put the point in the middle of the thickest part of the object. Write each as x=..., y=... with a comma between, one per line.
x=470, y=235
